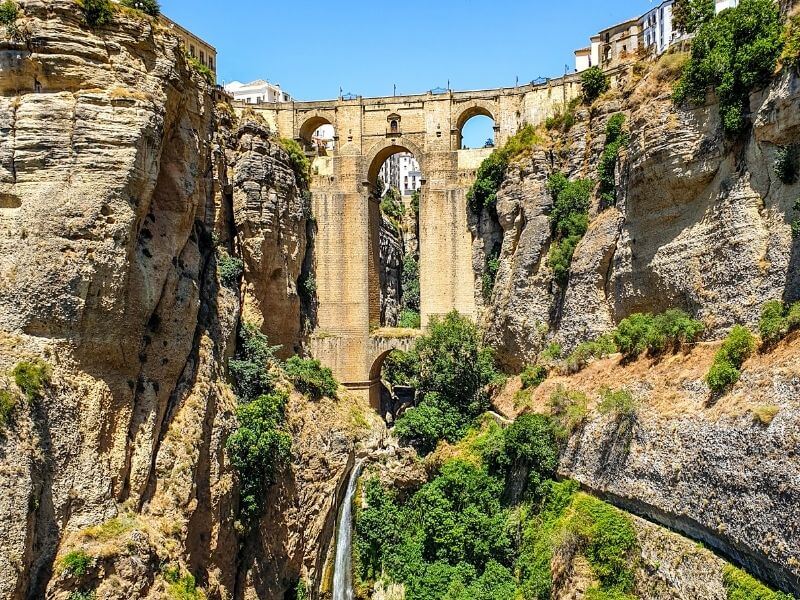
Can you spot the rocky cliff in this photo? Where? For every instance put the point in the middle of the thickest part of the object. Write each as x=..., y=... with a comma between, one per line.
x=122, y=193
x=682, y=189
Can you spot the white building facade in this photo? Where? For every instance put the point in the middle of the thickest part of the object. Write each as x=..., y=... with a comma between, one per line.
x=658, y=33
x=401, y=171
x=257, y=92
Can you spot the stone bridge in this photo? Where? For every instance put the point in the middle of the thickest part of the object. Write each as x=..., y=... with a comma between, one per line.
x=346, y=204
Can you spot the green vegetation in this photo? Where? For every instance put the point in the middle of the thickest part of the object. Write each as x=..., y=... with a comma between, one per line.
x=791, y=42
x=250, y=368
x=409, y=282
x=733, y=53
x=76, y=562
x=401, y=368
x=298, y=161
x=533, y=376
x=616, y=138
x=311, y=378
x=258, y=449
x=409, y=319
x=391, y=206
x=307, y=285
x=8, y=402
x=415, y=202
x=149, y=7
x=656, y=333
x=453, y=368
x=31, y=377
x=741, y=586
x=490, y=175
x=490, y=273
x=617, y=402
x=725, y=370
x=777, y=320
x=552, y=353
x=796, y=220
x=594, y=83
x=787, y=164
x=96, y=13
x=200, y=68
x=229, y=269
x=689, y=15
x=83, y=595
x=9, y=11
x=569, y=409
x=181, y=586
x=589, y=350
x=569, y=220
x=563, y=120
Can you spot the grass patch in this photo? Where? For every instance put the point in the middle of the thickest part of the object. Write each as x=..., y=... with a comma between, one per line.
x=765, y=414
x=8, y=402
x=31, y=377
x=619, y=403
x=181, y=586
x=111, y=529
x=569, y=409
x=76, y=562
x=741, y=586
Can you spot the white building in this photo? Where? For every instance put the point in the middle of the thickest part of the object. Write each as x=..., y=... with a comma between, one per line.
x=658, y=32
x=257, y=92
x=323, y=137
x=723, y=4
x=401, y=171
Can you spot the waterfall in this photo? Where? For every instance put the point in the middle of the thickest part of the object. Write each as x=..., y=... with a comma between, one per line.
x=343, y=567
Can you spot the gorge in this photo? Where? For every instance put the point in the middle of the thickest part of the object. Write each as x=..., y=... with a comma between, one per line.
x=602, y=400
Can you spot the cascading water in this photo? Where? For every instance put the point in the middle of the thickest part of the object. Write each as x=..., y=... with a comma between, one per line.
x=343, y=567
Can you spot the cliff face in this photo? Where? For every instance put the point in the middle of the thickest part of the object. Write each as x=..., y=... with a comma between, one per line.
x=682, y=189
x=117, y=182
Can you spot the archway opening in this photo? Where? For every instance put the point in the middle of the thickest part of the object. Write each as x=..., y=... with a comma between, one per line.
x=396, y=370
x=318, y=136
x=395, y=190
x=476, y=130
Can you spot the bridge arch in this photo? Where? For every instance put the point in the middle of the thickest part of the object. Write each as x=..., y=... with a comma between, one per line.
x=382, y=151
x=473, y=108
x=312, y=122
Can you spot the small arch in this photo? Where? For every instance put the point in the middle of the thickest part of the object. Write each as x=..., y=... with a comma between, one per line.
x=309, y=133
x=381, y=151
x=377, y=364
x=479, y=110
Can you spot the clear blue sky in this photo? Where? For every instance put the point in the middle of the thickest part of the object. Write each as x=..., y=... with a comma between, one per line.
x=312, y=47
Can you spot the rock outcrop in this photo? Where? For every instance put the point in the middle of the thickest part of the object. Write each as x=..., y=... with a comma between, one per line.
x=682, y=189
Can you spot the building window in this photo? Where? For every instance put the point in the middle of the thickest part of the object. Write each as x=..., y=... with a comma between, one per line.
x=393, y=126
x=210, y=63
x=191, y=51
x=202, y=57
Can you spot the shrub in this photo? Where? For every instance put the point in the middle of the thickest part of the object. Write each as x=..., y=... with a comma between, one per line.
x=76, y=562
x=307, y=285
x=793, y=316
x=791, y=42
x=409, y=319
x=432, y=420
x=741, y=586
x=552, y=353
x=586, y=351
x=409, y=282
x=656, y=333
x=489, y=178
x=181, y=586
x=773, y=325
x=96, y=13
x=298, y=161
x=569, y=220
x=490, y=274
x=415, y=201
x=733, y=53
x=8, y=402
x=724, y=371
x=229, y=269
x=311, y=378
x=689, y=15
x=258, y=448
x=616, y=138
x=391, y=206
x=149, y=7
x=9, y=11
x=250, y=368
x=617, y=402
x=569, y=409
x=594, y=82
x=787, y=163
x=401, y=368
x=31, y=377
x=533, y=376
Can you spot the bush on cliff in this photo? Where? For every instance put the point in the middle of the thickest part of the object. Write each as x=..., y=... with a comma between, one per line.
x=96, y=13
x=725, y=370
x=454, y=368
x=250, y=369
x=258, y=449
x=533, y=376
x=616, y=138
x=31, y=377
x=311, y=378
x=569, y=220
x=689, y=15
x=656, y=334
x=594, y=83
x=787, y=163
x=8, y=402
x=734, y=53
x=298, y=161
x=9, y=11
x=777, y=320
x=149, y=7
x=229, y=269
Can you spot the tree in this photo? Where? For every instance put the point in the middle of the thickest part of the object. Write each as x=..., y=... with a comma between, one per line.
x=689, y=15
x=149, y=7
